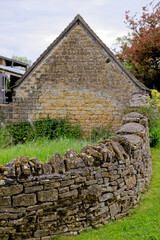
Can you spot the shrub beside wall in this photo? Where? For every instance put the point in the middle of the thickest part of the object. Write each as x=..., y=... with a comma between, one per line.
x=78, y=191
x=22, y=131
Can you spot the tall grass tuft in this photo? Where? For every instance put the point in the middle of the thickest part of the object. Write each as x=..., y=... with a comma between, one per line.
x=41, y=148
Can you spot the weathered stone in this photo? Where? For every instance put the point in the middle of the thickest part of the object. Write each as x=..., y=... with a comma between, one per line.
x=92, y=152
x=93, y=190
x=75, y=226
x=24, y=200
x=19, y=211
x=106, y=174
x=85, y=172
x=30, y=184
x=133, y=141
x=90, y=177
x=47, y=168
x=3, y=171
x=120, y=215
x=114, y=209
x=8, y=216
x=98, y=175
x=69, y=219
x=107, y=189
x=105, y=197
x=114, y=149
x=46, y=238
x=3, y=223
x=4, y=236
x=32, y=167
x=7, y=230
x=127, y=205
x=72, y=161
x=121, y=184
x=35, y=165
x=68, y=194
x=90, y=182
x=25, y=169
x=39, y=207
x=101, y=211
x=34, y=238
x=125, y=172
x=10, y=169
x=18, y=222
x=48, y=218
x=131, y=128
x=67, y=183
x=57, y=163
x=114, y=177
x=51, y=185
x=130, y=182
x=75, y=186
x=12, y=190
x=88, y=160
x=98, y=205
x=80, y=180
x=137, y=155
x=33, y=189
x=5, y=201
x=41, y=233
x=106, y=180
x=2, y=182
x=133, y=117
x=47, y=196
x=63, y=190
x=120, y=190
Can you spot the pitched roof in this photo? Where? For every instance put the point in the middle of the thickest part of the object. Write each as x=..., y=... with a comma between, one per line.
x=12, y=71
x=78, y=20
x=13, y=62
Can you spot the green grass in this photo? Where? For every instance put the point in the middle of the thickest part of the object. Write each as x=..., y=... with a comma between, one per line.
x=143, y=223
x=42, y=149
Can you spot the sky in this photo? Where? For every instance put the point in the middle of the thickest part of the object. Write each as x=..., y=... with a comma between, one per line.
x=28, y=27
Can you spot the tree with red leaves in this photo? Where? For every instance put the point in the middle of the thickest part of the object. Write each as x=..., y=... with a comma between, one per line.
x=140, y=49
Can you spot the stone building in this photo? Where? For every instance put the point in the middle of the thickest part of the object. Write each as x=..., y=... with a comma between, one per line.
x=77, y=76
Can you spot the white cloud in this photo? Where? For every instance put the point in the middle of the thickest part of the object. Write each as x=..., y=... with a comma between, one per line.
x=109, y=36
x=99, y=2
x=27, y=27
x=50, y=38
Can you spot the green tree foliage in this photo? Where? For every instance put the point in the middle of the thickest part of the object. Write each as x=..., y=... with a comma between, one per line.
x=140, y=49
x=22, y=59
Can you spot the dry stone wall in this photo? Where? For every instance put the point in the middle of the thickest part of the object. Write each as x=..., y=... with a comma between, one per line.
x=78, y=190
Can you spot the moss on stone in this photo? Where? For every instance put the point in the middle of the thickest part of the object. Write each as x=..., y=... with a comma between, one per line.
x=2, y=171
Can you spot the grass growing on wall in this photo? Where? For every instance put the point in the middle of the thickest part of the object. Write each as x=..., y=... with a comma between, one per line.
x=143, y=223
x=42, y=149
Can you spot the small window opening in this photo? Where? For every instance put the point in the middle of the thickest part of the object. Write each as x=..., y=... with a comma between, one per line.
x=108, y=60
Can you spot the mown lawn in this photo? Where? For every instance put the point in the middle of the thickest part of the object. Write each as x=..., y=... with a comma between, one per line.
x=143, y=223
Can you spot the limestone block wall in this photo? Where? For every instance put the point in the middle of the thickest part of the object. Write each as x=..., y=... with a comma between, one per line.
x=6, y=112
x=75, y=79
x=76, y=191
